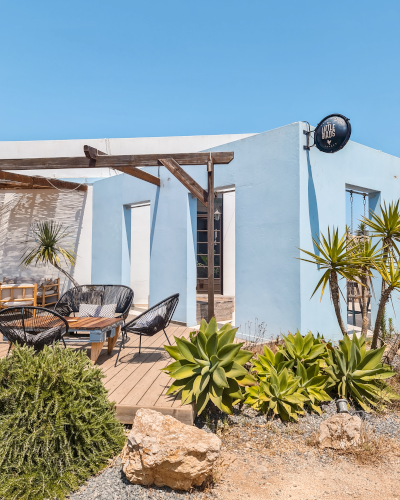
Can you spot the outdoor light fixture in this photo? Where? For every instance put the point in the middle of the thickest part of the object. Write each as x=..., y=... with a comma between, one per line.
x=217, y=214
x=341, y=406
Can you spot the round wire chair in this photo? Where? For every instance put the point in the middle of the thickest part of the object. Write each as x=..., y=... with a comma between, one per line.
x=32, y=326
x=101, y=295
x=150, y=322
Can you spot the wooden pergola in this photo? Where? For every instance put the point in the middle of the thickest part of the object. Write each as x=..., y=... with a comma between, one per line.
x=128, y=164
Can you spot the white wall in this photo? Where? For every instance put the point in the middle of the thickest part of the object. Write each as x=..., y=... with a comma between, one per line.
x=83, y=267
x=140, y=253
x=228, y=230
x=20, y=208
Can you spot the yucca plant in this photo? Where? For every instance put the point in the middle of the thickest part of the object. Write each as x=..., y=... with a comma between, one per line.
x=337, y=260
x=281, y=394
x=390, y=272
x=44, y=246
x=368, y=254
x=386, y=227
x=308, y=350
x=209, y=366
x=313, y=384
x=360, y=373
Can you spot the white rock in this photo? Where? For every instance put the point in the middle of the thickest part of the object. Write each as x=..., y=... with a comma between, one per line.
x=163, y=451
x=339, y=432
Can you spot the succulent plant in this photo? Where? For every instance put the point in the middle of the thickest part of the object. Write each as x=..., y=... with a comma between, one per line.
x=359, y=373
x=308, y=350
x=313, y=384
x=264, y=365
x=281, y=394
x=209, y=366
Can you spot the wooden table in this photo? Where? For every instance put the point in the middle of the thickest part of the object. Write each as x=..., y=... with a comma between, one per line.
x=100, y=329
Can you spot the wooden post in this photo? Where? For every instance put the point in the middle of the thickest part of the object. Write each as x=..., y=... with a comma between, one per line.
x=210, y=237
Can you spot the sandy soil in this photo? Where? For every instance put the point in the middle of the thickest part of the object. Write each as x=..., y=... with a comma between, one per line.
x=290, y=467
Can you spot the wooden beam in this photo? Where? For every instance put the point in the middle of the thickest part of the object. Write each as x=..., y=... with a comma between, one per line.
x=182, y=176
x=210, y=239
x=31, y=182
x=117, y=161
x=140, y=174
x=92, y=154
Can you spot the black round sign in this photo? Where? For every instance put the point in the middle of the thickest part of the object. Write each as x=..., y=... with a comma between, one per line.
x=332, y=133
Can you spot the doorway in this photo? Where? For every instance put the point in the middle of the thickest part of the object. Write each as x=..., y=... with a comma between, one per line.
x=202, y=247
x=140, y=253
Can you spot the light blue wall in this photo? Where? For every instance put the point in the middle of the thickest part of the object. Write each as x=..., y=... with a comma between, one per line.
x=283, y=195
x=266, y=177
x=323, y=179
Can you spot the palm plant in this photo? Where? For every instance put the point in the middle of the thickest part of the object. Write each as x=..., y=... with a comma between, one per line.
x=390, y=274
x=44, y=247
x=337, y=260
x=387, y=229
x=369, y=254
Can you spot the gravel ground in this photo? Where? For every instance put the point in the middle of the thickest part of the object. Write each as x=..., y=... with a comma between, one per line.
x=112, y=484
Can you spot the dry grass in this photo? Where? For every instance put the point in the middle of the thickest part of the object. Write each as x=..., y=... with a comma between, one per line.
x=371, y=448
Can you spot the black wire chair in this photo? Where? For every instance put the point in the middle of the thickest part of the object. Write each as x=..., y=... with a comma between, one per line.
x=150, y=322
x=100, y=295
x=32, y=326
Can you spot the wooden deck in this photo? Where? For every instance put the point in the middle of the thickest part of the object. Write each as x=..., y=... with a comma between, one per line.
x=137, y=382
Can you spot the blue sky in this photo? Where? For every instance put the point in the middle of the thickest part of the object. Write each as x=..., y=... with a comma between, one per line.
x=87, y=69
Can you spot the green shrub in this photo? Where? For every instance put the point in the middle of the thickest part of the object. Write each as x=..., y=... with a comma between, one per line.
x=57, y=427
x=209, y=366
x=264, y=365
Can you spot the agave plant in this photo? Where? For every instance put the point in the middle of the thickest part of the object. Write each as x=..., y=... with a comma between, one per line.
x=209, y=366
x=270, y=362
x=313, y=385
x=308, y=350
x=333, y=256
x=359, y=373
x=281, y=394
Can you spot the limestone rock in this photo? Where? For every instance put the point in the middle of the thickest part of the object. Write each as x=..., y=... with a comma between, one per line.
x=162, y=451
x=339, y=432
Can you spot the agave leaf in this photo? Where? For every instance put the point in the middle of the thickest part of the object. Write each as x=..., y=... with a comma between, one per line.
x=226, y=404
x=298, y=342
x=177, y=386
x=245, y=380
x=308, y=343
x=212, y=344
x=228, y=353
x=202, y=401
x=219, y=377
x=243, y=357
x=315, y=351
x=173, y=351
x=234, y=371
x=227, y=337
x=212, y=327
x=185, y=372
x=202, y=362
x=371, y=359
x=203, y=326
x=187, y=349
x=188, y=395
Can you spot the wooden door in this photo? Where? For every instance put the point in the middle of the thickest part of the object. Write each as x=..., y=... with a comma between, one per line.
x=202, y=247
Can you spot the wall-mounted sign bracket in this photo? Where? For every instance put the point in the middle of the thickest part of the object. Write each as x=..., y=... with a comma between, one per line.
x=308, y=134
